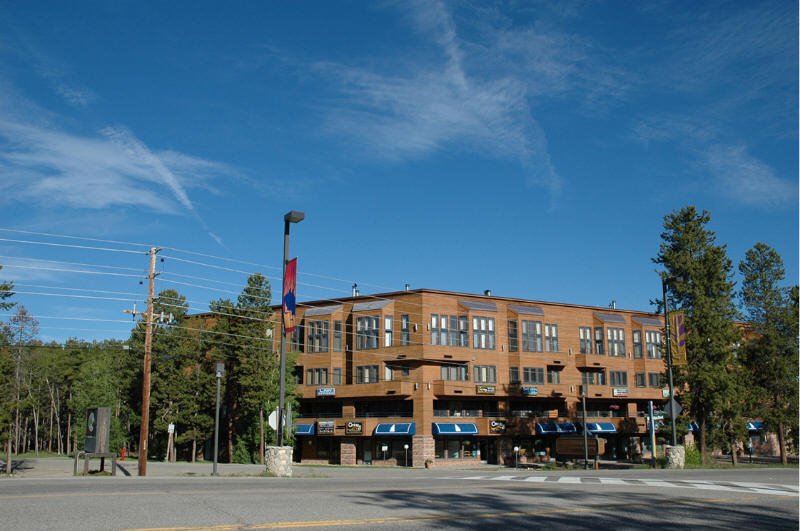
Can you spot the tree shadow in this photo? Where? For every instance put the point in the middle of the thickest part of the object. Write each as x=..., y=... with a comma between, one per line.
x=17, y=465
x=516, y=508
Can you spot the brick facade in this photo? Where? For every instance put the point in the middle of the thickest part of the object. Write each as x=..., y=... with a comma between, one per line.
x=416, y=373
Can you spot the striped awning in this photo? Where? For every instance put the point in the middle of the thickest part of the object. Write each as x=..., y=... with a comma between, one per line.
x=452, y=428
x=304, y=429
x=598, y=427
x=400, y=428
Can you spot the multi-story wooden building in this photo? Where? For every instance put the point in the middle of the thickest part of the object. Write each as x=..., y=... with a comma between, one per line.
x=449, y=377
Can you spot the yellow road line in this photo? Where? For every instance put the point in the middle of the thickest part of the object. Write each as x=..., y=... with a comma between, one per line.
x=430, y=518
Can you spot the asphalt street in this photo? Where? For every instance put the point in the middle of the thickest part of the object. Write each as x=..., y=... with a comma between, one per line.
x=367, y=498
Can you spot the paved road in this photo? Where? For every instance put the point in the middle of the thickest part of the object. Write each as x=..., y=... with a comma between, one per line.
x=410, y=499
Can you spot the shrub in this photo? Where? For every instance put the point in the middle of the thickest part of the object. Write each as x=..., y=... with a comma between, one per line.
x=692, y=454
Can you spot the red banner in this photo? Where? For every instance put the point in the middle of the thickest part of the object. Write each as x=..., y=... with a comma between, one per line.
x=289, y=295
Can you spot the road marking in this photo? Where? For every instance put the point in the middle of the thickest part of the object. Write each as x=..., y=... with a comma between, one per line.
x=433, y=518
x=699, y=484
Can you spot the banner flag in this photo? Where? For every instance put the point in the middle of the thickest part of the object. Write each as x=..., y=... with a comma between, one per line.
x=678, y=330
x=289, y=295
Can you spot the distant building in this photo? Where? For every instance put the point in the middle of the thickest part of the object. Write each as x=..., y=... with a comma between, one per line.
x=460, y=377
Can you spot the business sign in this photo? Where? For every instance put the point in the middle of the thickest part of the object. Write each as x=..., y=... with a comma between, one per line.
x=619, y=392
x=486, y=389
x=573, y=446
x=530, y=391
x=326, y=427
x=354, y=428
x=497, y=426
x=326, y=391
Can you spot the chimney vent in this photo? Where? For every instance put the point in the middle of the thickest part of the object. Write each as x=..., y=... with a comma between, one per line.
x=355, y=290
x=408, y=287
x=487, y=292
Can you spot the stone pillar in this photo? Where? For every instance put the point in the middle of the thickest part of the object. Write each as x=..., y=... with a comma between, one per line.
x=279, y=460
x=347, y=452
x=423, y=448
x=504, y=448
x=676, y=456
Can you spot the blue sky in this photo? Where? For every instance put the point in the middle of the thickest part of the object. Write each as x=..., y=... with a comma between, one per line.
x=531, y=148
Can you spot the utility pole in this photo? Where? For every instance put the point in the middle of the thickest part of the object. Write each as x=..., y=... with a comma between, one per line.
x=148, y=344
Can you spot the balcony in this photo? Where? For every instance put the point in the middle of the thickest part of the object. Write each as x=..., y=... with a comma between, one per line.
x=381, y=388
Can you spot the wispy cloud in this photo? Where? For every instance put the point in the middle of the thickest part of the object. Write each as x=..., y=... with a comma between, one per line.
x=438, y=104
x=746, y=179
x=53, y=167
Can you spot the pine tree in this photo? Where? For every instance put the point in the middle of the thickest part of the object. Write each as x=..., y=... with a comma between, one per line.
x=244, y=343
x=771, y=352
x=688, y=250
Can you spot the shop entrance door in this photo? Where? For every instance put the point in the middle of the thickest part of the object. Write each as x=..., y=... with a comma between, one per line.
x=367, y=459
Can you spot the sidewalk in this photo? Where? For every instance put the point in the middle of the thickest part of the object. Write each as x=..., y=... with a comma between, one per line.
x=48, y=467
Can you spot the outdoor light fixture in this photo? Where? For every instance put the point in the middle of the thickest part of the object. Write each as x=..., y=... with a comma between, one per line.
x=291, y=217
x=672, y=412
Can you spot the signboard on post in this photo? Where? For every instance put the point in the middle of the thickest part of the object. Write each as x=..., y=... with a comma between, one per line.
x=98, y=429
x=573, y=446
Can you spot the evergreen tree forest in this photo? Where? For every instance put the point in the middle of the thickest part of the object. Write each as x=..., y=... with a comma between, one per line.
x=46, y=388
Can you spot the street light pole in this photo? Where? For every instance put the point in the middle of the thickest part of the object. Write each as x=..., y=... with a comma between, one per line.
x=664, y=282
x=585, y=433
x=220, y=370
x=291, y=217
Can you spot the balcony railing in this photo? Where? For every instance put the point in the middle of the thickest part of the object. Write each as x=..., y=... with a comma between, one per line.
x=320, y=415
x=601, y=413
x=456, y=412
x=383, y=414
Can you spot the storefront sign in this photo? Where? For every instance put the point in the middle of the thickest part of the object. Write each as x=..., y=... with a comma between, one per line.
x=325, y=427
x=530, y=391
x=486, y=389
x=326, y=391
x=497, y=426
x=353, y=428
x=619, y=392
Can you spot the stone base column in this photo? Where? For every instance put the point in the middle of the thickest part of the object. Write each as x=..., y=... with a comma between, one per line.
x=423, y=448
x=279, y=460
x=676, y=456
x=347, y=452
x=504, y=450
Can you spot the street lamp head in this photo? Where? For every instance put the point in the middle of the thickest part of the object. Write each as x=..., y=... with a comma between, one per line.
x=294, y=217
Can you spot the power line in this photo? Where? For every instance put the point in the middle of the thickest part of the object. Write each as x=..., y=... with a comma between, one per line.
x=80, y=271
x=25, y=258
x=19, y=231
x=75, y=289
x=52, y=244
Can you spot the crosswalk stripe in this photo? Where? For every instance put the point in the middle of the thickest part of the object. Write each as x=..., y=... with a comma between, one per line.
x=760, y=488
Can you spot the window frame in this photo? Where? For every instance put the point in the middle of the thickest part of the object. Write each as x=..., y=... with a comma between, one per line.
x=533, y=375
x=484, y=373
x=550, y=337
x=368, y=337
x=369, y=371
x=638, y=352
x=532, y=336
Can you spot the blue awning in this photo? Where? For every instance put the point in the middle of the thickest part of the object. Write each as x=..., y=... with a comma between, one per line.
x=402, y=428
x=755, y=425
x=304, y=429
x=598, y=427
x=450, y=428
x=547, y=428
